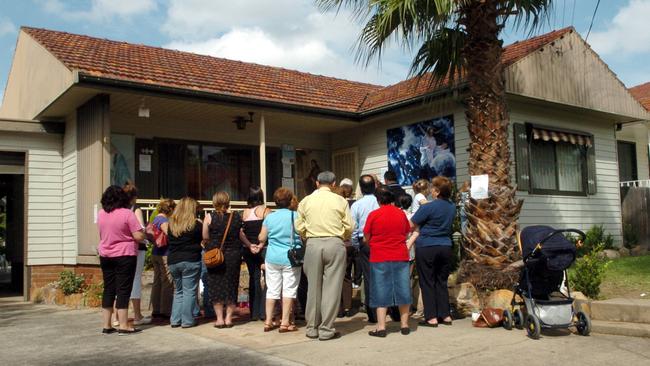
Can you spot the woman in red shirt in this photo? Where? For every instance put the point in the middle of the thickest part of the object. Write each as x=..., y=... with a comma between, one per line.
x=386, y=231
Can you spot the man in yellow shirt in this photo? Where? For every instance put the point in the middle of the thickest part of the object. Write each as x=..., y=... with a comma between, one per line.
x=325, y=222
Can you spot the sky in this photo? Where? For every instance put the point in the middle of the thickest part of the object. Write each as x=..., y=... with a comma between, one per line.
x=295, y=34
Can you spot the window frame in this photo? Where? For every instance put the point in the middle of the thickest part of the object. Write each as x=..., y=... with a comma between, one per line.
x=583, y=160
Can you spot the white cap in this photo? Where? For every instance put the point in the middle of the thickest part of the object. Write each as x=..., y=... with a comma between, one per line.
x=346, y=182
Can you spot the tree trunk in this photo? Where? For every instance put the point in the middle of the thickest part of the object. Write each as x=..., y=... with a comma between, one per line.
x=490, y=240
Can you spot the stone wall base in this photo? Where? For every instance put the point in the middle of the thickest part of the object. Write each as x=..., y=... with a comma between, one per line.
x=43, y=275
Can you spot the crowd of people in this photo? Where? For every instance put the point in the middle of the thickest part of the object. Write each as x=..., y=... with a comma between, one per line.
x=316, y=251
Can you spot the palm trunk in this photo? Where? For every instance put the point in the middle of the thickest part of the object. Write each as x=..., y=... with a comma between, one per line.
x=490, y=241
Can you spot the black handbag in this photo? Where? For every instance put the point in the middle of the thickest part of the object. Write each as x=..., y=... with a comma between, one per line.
x=296, y=253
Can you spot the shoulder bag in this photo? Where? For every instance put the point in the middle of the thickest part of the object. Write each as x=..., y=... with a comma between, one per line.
x=156, y=235
x=214, y=257
x=296, y=253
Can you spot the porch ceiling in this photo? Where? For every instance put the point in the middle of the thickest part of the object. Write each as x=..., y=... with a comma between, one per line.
x=185, y=109
x=181, y=109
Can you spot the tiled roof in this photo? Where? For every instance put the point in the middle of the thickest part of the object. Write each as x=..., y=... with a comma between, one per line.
x=642, y=94
x=411, y=88
x=158, y=66
x=163, y=67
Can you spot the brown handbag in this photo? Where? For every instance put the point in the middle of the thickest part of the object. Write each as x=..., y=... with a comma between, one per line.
x=214, y=257
x=489, y=318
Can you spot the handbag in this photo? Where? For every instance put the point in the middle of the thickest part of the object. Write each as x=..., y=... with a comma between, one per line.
x=489, y=318
x=296, y=253
x=156, y=235
x=214, y=257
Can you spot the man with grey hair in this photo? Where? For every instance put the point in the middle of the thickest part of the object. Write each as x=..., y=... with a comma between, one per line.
x=324, y=221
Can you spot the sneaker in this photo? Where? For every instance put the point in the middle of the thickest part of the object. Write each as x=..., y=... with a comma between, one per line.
x=145, y=320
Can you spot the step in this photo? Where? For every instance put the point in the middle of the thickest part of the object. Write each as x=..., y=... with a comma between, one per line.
x=621, y=310
x=621, y=328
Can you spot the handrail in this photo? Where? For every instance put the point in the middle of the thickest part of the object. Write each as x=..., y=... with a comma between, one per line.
x=148, y=206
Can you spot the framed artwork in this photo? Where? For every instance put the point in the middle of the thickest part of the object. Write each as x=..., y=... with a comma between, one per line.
x=424, y=149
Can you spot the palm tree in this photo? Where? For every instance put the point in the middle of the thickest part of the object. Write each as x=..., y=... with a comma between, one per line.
x=459, y=39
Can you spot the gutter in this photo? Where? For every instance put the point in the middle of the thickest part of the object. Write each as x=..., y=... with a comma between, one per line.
x=88, y=80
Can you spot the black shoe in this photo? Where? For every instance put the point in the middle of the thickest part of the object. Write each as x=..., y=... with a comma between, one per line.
x=445, y=323
x=175, y=325
x=377, y=333
x=311, y=337
x=425, y=323
x=341, y=314
x=124, y=332
x=336, y=335
x=108, y=330
x=347, y=313
x=405, y=331
x=189, y=326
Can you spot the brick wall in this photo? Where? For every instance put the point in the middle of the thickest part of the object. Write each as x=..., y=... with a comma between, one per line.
x=43, y=275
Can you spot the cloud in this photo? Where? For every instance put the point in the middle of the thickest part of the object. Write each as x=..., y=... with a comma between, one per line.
x=100, y=10
x=627, y=34
x=6, y=27
x=287, y=33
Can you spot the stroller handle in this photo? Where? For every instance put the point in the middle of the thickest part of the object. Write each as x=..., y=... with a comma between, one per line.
x=556, y=232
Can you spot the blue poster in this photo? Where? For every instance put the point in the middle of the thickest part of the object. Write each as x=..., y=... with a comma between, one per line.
x=422, y=150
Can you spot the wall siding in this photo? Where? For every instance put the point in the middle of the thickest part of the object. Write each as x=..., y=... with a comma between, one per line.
x=561, y=211
x=44, y=221
x=69, y=191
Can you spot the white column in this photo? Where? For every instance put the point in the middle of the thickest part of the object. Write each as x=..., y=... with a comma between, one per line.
x=263, y=155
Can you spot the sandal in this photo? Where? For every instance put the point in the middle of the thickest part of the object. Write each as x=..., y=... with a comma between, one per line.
x=287, y=328
x=377, y=333
x=219, y=326
x=269, y=327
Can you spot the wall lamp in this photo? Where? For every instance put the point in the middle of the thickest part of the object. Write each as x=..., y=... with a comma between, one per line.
x=241, y=121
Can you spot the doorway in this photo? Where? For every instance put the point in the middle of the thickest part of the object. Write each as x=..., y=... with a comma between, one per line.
x=12, y=219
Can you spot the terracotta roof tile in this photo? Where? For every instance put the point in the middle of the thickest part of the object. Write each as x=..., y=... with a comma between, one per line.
x=642, y=94
x=158, y=66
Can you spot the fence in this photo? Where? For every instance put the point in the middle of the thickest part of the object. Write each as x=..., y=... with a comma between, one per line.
x=635, y=201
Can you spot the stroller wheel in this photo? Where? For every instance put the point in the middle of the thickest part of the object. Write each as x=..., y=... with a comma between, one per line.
x=507, y=320
x=518, y=319
x=583, y=323
x=533, y=327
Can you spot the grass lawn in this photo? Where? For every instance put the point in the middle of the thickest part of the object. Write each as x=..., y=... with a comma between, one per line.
x=627, y=277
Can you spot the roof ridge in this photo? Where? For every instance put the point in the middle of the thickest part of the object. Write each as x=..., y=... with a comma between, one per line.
x=28, y=29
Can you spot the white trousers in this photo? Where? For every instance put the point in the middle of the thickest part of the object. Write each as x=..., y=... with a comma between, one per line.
x=281, y=281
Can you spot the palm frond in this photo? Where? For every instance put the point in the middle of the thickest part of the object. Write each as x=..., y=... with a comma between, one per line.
x=440, y=55
x=527, y=14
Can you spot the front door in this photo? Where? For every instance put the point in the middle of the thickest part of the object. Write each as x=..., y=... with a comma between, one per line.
x=12, y=228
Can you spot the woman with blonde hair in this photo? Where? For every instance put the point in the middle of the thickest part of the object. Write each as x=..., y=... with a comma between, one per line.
x=162, y=291
x=221, y=229
x=184, y=260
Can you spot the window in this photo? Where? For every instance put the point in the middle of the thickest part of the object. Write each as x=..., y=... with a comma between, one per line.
x=551, y=161
x=200, y=169
x=627, y=161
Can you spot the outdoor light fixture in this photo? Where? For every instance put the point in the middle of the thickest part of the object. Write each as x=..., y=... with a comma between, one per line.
x=241, y=121
x=143, y=111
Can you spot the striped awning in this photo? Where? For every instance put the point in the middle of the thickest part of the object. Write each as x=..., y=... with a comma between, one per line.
x=557, y=136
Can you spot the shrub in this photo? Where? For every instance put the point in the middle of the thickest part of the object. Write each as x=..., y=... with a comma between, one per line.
x=587, y=275
x=596, y=237
x=70, y=283
x=630, y=236
x=94, y=293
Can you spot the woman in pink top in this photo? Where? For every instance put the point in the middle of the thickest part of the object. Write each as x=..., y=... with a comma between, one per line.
x=119, y=233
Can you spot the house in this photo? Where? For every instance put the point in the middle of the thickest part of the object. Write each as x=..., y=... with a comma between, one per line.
x=80, y=113
x=632, y=142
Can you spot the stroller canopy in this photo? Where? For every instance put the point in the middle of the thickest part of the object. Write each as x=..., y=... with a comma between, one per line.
x=558, y=252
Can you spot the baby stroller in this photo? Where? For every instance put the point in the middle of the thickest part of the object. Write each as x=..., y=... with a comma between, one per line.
x=547, y=254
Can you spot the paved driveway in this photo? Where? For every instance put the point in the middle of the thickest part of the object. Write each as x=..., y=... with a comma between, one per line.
x=46, y=335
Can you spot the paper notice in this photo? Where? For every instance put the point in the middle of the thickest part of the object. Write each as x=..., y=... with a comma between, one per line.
x=479, y=188
x=145, y=162
x=95, y=214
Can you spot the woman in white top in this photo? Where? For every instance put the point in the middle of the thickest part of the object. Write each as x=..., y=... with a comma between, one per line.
x=422, y=189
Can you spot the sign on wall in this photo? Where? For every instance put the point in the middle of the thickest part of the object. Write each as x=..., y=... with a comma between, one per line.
x=424, y=150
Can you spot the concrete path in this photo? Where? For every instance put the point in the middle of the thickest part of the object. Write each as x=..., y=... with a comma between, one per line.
x=45, y=335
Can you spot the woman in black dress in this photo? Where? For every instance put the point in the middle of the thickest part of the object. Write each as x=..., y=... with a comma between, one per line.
x=223, y=280
x=253, y=217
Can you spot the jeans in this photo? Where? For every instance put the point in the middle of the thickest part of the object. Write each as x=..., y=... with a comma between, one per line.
x=208, y=309
x=256, y=296
x=186, y=282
